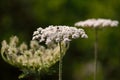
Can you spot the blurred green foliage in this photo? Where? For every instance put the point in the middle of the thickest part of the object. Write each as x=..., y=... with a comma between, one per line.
x=22, y=17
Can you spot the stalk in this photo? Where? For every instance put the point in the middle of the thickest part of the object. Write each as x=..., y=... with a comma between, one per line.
x=95, y=54
x=60, y=63
x=37, y=76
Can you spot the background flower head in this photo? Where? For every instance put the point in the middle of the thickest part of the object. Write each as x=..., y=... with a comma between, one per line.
x=97, y=23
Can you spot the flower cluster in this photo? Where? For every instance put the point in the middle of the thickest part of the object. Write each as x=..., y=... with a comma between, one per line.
x=97, y=23
x=56, y=34
x=32, y=60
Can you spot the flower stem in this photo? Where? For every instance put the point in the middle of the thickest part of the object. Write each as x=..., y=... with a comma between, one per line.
x=95, y=53
x=37, y=77
x=60, y=63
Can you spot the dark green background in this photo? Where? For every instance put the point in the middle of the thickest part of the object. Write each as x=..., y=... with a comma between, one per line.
x=22, y=17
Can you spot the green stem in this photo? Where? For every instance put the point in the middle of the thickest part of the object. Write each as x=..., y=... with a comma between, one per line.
x=2, y=54
x=95, y=53
x=60, y=63
x=6, y=59
x=37, y=76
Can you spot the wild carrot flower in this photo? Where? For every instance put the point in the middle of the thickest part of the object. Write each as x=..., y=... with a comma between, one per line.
x=33, y=59
x=97, y=23
x=57, y=35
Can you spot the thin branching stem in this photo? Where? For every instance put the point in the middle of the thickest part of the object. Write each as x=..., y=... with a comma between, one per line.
x=95, y=53
x=60, y=63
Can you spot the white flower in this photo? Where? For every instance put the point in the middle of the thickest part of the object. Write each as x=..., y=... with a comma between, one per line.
x=75, y=36
x=57, y=34
x=48, y=41
x=57, y=40
x=66, y=40
x=97, y=23
x=84, y=36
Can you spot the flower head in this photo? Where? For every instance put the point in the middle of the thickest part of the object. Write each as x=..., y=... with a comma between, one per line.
x=55, y=34
x=97, y=23
x=34, y=59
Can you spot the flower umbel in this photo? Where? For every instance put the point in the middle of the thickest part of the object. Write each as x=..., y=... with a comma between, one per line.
x=31, y=60
x=56, y=34
x=97, y=23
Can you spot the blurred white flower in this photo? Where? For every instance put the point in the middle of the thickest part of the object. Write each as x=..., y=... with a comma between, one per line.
x=57, y=34
x=97, y=23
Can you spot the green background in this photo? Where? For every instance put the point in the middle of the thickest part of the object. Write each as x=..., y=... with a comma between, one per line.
x=22, y=17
